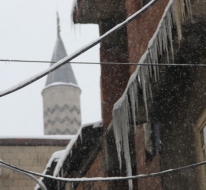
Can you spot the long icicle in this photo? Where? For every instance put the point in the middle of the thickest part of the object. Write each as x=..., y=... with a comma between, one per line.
x=175, y=12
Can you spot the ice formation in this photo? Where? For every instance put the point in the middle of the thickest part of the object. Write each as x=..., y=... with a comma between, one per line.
x=161, y=41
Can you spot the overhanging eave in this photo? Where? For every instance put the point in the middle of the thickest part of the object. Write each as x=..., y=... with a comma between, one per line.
x=92, y=11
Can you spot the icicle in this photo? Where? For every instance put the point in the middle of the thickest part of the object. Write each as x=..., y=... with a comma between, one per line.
x=188, y=6
x=156, y=57
x=159, y=43
x=150, y=67
x=169, y=31
x=155, y=51
x=125, y=131
x=152, y=61
x=139, y=80
x=148, y=84
x=74, y=7
x=135, y=84
x=177, y=14
x=132, y=101
x=144, y=91
x=121, y=131
x=128, y=113
x=117, y=114
x=165, y=41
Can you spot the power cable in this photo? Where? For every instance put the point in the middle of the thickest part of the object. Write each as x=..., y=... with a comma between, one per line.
x=95, y=179
x=23, y=61
x=40, y=183
x=76, y=53
x=110, y=63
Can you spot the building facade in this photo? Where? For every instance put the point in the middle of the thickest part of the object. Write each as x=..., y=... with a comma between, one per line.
x=167, y=130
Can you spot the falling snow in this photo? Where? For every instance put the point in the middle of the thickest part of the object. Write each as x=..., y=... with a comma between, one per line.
x=161, y=41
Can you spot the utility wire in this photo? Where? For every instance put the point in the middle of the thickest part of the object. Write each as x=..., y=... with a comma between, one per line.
x=25, y=61
x=41, y=184
x=109, y=63
x=95, y=179
x=77, y=53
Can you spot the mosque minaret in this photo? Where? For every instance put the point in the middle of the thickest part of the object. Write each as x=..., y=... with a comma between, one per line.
x=61, y=96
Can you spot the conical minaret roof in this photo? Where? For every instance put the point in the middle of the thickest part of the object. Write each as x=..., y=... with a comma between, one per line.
x=61, y=96
x=64, y=74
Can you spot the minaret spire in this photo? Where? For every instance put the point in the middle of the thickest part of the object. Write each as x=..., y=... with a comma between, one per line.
x=61, y=96
x=58, y=25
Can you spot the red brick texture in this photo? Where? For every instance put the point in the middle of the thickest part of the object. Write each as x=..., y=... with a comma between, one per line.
x=96, y=170
x=114, y=79
x=140, y=30
x=144, y=166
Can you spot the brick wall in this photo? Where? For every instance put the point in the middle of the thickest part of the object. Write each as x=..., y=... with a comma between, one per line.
x=96, y=170
x=145, y=166
x=140, y=30
x=33, y=158
x=114, y=78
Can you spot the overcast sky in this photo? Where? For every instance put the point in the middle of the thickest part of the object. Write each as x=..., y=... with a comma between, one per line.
x=28, y=31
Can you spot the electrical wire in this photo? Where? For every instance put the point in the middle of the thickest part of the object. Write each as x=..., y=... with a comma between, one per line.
x=40, y=183
x=23, y=61
x=109, y=63
x=95, y=179
x=77, y=53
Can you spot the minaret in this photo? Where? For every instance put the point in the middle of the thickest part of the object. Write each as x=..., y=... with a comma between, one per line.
x=61, y=96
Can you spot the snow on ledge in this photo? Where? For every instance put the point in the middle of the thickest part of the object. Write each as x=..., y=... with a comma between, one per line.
x=55, y=137
x=95, y=124
x=61, y=84
x=61, y=155
x=55, y=156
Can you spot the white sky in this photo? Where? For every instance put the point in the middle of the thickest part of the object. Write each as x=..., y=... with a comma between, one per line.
x=28, y=31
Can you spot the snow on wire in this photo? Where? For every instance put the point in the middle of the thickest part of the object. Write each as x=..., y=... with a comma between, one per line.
x=175, y=12
x=109, y=63
x=98, y=179
x=40, y=183
x=74, y=54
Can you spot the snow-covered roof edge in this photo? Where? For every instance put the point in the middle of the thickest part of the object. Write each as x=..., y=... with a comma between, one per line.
x=63, y=153
x=55, y=137
x=55, y=155
x=95, y=124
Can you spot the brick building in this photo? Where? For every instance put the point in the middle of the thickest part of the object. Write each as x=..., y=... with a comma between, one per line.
x=165, y=131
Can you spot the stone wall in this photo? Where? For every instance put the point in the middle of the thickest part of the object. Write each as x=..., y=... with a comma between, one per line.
x=29, y=157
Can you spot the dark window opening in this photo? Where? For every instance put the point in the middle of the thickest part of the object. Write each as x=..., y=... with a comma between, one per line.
x=152, y=140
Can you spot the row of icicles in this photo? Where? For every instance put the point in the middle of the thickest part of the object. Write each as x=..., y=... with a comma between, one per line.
x=161, y=42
